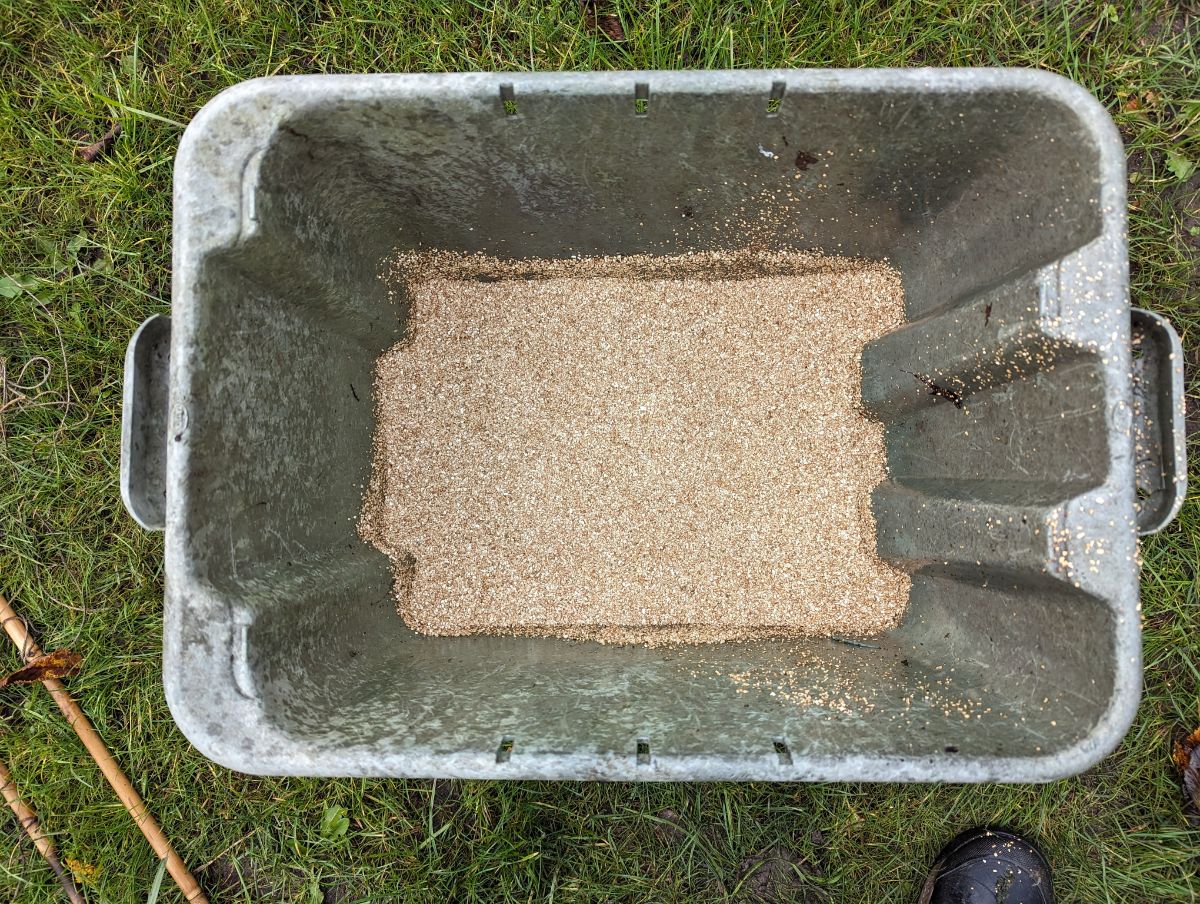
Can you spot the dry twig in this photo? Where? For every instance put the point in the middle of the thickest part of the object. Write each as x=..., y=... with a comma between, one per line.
x=98, y=149
x=19, y=633
x=29, y=822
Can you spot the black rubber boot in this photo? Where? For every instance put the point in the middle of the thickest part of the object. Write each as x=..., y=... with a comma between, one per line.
x=989, y=866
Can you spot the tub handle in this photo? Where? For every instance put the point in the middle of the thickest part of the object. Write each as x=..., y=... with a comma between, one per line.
x=1159, y=426
x=144, y=423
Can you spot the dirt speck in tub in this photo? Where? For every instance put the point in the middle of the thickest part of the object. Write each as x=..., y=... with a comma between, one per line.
x=638, y=449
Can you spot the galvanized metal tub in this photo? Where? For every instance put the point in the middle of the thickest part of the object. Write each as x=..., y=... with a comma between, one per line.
x=999, y=194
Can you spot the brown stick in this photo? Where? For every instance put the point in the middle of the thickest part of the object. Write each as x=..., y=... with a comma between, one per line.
x=14, y=625
x=28, y=819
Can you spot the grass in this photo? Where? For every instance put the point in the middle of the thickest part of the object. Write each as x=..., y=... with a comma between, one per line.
x=90, y=244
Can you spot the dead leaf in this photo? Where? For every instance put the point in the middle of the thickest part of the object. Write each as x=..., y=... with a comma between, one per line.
x=59, y=664
x=98, y=149
x=804, y=160
x=85, y=873
x=670, y=827
x=1186, y=755
x=611, y=26
x=606, y=23
x=1132, y=104
x=1182, y=751
x=776, y=875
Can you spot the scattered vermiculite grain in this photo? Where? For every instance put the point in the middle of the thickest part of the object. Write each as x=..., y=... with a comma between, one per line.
x=639, y=449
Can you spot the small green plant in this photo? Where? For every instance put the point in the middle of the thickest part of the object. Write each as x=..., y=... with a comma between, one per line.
x=1179, y=165
x=335, y=823
x=12, y=286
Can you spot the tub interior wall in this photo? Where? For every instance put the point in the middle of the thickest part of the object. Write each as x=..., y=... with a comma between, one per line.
x=974, y=197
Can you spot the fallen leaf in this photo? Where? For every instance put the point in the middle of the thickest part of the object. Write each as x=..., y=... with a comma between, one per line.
x=1182, y=751
x=606, y=23
x=59, y=664
x=85, y=873
x=611, y=26
x=669, y=827
x=98, y=149
x=1132, y=104
x=1186, y=756
x=776, y=875
x=804, y=160
x=1191, y=784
